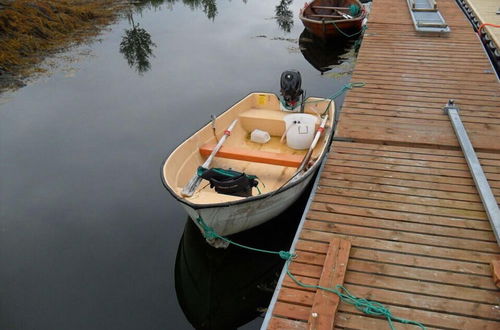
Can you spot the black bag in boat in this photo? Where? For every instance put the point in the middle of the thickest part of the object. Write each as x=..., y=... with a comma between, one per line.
x=229, y=182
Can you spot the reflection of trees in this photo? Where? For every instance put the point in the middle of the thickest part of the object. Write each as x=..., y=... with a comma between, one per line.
x=137, y=47
x=209, y=7
x=284, y=15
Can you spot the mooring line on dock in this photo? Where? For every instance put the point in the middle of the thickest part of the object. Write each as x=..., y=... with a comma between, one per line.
x=368, y=307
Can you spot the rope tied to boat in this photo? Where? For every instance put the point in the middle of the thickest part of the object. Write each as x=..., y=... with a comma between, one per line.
x=363, y=28
x=341, y=91
x=210, y=233
x=345, y=88
x=366, y=306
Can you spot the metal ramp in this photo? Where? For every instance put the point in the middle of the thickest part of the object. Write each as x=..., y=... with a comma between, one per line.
x=426, y=16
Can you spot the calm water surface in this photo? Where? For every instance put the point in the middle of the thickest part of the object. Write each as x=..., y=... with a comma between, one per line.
x=89, y=236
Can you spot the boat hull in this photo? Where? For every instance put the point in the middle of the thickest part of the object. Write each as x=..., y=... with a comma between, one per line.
x=230, y=220
x=325, y=30
x=274, y=163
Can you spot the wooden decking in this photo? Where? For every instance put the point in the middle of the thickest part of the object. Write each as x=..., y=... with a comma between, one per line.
x=400, y=190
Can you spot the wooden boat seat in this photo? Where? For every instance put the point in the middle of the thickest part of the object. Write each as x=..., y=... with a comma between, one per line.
x=271, y=121
x=256, y=156
x=332, y=8
x=326, y=16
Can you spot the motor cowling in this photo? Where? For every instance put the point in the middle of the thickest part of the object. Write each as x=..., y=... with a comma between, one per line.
x=291, y=91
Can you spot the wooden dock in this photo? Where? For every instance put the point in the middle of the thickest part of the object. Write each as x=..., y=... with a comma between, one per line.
x=399, y=189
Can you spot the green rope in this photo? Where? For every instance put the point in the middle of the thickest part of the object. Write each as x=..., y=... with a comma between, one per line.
x=366, y=306
x=350, y=35
x=332, y=97
x=340, y=91
x=345, y=88
x=337, y=94
x=210, y=233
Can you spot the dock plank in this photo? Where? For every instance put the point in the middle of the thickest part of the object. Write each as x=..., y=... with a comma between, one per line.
x=325, y=303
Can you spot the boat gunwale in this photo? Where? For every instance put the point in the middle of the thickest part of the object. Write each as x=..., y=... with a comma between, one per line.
x=332, y=21
x=281, y=189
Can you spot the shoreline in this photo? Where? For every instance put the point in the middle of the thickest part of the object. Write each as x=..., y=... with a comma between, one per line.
x=32, y=30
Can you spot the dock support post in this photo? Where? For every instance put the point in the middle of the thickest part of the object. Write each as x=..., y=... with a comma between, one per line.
x=487, y=197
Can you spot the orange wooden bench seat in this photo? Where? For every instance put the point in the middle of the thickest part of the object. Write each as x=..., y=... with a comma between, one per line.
x=256, y=156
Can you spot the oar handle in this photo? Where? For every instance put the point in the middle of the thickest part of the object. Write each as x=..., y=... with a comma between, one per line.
x=227, y=132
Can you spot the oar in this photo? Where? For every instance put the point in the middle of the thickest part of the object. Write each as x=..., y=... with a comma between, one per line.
x=189, y=189
x=308, y=155
x=344, y=15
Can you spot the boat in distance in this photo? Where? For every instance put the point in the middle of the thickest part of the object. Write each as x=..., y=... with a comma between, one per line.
x=333, y=18
x=250, y=178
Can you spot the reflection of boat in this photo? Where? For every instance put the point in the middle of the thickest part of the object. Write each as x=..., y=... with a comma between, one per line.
x=324, y=54
x=333, y=18
x=226, y=288
x=282, y=172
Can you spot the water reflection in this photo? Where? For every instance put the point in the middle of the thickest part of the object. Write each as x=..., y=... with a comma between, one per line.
x=209, y=7
x=149, y=4
x=137, y=46
x=114, y=228
x=227, y=288
x=284, y=16
x=324, y=55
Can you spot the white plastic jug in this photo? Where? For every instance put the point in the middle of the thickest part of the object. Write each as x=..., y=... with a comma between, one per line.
x=300, y=129
x=260, y=136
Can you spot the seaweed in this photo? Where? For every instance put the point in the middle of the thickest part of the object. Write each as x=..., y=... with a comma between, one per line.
x=32, y=29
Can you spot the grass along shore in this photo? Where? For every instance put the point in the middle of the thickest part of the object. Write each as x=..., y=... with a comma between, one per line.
x=33, y=29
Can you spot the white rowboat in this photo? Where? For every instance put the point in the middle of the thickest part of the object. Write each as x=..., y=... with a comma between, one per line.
x=274, y=163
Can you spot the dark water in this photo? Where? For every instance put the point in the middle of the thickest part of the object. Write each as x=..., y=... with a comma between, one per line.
x=88, y=234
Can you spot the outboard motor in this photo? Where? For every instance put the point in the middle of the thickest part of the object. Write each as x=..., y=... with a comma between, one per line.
x=291, y=91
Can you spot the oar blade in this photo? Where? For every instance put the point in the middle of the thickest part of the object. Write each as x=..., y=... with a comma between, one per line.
x=190, y=188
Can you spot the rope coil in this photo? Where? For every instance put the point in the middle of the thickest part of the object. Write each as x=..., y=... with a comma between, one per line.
x=366, y=306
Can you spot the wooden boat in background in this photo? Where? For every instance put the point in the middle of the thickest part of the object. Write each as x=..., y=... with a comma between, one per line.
x=333, y=18
x=273, y=163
